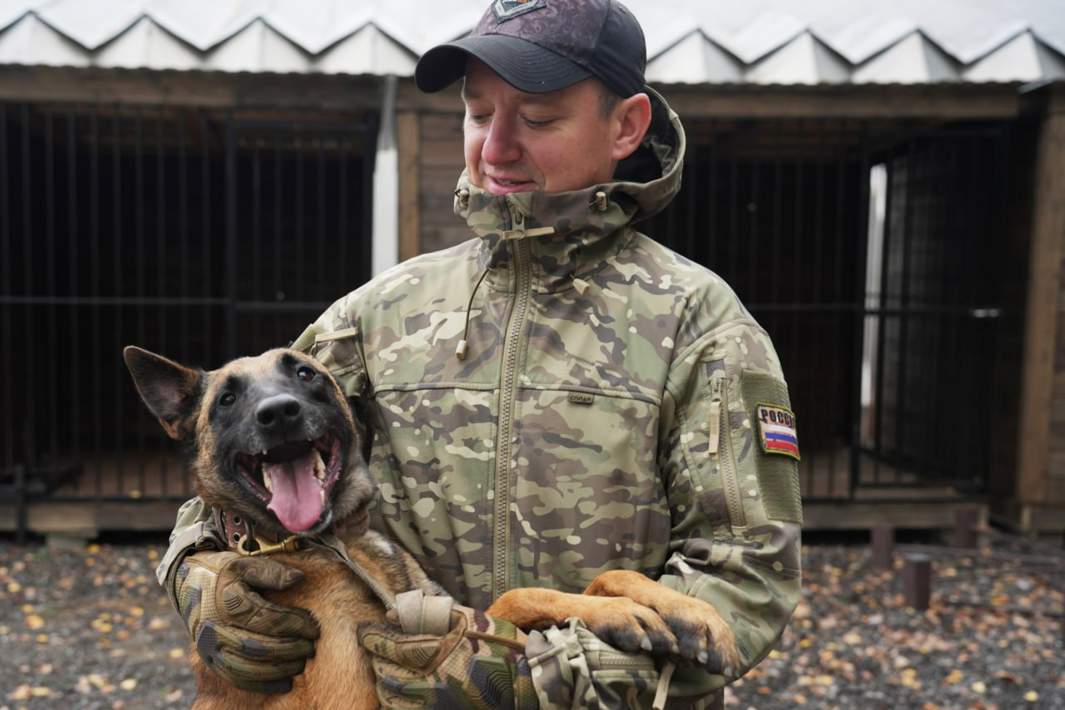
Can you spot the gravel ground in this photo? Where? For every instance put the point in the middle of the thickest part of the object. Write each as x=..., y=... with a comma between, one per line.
x=89, y=628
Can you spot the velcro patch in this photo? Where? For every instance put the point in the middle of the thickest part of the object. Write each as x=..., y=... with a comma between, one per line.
x=776, y=429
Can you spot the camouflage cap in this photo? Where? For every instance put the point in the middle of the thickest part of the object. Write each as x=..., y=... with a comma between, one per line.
x=546, y=45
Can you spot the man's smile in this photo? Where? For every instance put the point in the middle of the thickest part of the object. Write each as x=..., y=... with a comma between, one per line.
x=498, y=185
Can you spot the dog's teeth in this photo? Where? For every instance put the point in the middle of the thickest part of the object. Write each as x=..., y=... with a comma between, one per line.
x=268, y=482
x=319, y=467
x=321, y=492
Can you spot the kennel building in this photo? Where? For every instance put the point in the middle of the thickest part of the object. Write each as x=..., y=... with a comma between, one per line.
x=882, y=187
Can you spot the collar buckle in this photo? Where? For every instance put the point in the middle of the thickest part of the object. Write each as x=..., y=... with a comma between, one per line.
x=289, y=544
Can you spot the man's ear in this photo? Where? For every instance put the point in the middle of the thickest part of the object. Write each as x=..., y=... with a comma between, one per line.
x=171, y=391
x=632, y=118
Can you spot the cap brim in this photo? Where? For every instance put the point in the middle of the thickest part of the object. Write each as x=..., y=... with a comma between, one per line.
x=522, y=64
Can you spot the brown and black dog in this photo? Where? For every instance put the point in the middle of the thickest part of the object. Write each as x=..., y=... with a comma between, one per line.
x=273, y=440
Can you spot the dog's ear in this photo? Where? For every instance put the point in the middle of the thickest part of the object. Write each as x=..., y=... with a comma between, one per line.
x=171, y=391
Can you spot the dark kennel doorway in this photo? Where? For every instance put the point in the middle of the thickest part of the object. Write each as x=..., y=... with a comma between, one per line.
x=199, y=235
x=886, y=323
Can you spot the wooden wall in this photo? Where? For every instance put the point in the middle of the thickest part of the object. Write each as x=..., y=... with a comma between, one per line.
x=1039, y=494
x=431, y=160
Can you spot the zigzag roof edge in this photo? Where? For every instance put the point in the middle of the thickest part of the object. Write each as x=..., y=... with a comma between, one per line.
x=916, y=31
x=998, y=41
x=706, y=38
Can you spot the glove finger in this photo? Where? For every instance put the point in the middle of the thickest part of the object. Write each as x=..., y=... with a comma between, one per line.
x=413, y=651
x=255, y=678
x=265, y=648
x=248, y=610
x=243, y=670
x=265, y=573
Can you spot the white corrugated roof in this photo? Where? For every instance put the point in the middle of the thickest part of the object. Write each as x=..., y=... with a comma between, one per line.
x=691, y=41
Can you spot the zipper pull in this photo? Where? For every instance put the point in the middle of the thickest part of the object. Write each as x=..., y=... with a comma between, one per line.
x=715, y=413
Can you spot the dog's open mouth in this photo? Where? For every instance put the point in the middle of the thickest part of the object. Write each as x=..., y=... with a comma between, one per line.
x=294, y=479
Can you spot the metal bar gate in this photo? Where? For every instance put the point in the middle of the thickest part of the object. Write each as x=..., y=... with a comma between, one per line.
x=199, y=236
x=867, y=252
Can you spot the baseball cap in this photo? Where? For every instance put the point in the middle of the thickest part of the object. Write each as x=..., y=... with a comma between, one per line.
x=545, y=45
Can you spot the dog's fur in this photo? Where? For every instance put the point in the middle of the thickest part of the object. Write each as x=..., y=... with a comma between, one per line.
x=624, y=608
x=187, y=403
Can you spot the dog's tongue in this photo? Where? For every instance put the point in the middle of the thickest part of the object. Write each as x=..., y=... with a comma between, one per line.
x=297, y=494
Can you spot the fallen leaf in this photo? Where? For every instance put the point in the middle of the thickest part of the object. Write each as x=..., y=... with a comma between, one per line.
x=157, y=623
x=128, y=684
x=978, y=687
x=23, y=692
x=34, y=622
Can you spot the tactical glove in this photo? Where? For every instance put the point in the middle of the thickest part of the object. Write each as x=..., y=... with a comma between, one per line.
x=252, y=643
x=478, y=663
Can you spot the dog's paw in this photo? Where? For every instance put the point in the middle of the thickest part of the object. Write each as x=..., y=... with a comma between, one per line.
x=702, y=635
x=629, y=626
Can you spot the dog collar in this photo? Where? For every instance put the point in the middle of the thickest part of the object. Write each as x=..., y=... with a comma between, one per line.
x=239, y=536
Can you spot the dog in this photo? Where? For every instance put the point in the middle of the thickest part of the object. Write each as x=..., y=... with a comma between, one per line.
x=274, y=443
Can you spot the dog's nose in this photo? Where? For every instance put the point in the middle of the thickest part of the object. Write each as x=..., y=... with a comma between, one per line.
x=278, y=412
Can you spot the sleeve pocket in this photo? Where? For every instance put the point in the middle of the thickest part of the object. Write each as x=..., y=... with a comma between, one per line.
x=778, y=474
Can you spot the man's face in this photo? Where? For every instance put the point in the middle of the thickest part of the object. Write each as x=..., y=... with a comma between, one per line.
x=518, y=142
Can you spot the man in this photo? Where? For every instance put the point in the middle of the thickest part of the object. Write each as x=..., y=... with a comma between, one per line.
x=557, y=397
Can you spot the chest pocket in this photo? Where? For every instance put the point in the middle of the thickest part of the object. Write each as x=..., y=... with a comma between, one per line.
x=338, y=351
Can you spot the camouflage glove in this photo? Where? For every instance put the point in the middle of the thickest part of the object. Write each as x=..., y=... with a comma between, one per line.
x=479, y=663
x=252, y=643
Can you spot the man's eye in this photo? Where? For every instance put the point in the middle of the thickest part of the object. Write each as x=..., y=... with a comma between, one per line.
x=478, y=118
x=538, y=123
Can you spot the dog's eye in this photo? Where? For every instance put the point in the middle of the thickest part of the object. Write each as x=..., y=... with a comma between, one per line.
x=227, y=399
x=305, y=373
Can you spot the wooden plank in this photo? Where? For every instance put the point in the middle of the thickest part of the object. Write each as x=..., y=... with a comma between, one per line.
x=866, y=516
x=333, y=92
x=410, y=98
x=940, y=101
x=202, y=89
x=1042, y=308
x=44, y=517
x=1030, y=519
x=443, y=153
x=408, y=145
x=89, y=517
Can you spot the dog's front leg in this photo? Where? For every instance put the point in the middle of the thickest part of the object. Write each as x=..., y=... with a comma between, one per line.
x=619, y=621
x=703, y=636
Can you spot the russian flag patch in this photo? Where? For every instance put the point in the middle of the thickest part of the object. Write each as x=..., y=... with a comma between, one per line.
x=776, y=428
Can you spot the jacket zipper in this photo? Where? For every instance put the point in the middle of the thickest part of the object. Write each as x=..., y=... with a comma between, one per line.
x=721, y=443
x=512, y=349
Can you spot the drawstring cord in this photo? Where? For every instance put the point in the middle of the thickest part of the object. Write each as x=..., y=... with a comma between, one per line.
x=662, y=690
x=460, y=350
x=599, y=203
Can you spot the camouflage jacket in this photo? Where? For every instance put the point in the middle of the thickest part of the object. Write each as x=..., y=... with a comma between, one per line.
x=603, y=415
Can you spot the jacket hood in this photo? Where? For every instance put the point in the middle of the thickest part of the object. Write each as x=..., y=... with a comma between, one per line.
x=644, y=184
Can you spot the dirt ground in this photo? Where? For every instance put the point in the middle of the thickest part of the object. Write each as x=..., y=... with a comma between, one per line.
x=89, y=628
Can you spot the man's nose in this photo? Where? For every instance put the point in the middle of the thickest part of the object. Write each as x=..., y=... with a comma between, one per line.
x=501, y=145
